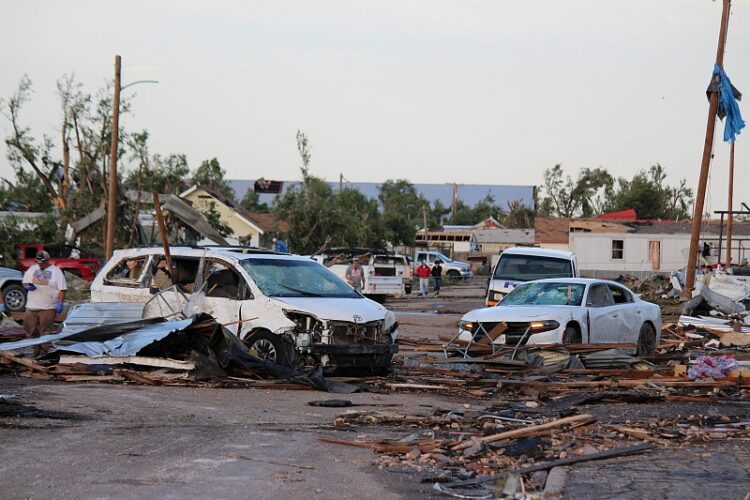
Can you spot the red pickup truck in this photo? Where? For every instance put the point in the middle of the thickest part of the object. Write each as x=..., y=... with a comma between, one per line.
x=59, y=256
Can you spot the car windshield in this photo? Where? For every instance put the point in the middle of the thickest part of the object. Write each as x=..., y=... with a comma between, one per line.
x=531, y=267
x=545, y=294
x=296, y=278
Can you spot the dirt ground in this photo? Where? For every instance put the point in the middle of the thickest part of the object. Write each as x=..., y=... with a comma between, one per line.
x=130, y=441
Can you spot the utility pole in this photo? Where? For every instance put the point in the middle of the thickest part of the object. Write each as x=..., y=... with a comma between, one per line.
x=424, y=217
x=454, y=203
x=341, y=182
x=713, y=106
x=112, y=198
x=729, y=198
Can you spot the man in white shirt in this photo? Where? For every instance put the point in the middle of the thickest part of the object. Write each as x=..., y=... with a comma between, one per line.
x=46, y=286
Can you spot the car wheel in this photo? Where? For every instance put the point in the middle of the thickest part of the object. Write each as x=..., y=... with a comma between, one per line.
x=269, y=347
x=14, y=298
x=571, y=336
x=453, y=274
x=646, y=341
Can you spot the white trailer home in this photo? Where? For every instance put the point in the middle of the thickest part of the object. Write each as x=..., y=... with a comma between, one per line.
x=657, y=248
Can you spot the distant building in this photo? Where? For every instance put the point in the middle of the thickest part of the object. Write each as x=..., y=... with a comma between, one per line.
x=257, y=229
x=469, y=194
x=656, y=247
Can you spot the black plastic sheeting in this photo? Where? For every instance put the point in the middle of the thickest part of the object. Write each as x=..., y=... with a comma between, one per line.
x=215, y=350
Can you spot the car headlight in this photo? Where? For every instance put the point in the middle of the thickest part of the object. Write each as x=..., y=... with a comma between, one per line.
x=469, y=326
x=497, y=296
x=543, y=326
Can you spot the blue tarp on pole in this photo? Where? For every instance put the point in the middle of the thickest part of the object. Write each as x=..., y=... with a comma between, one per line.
x=728, y=106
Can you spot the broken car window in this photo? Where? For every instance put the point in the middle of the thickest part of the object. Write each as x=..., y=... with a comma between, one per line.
x=549, y=294
x=296, y=278
x=128, y=272
x=620, y=295
x=221, y=281
x=599, y=296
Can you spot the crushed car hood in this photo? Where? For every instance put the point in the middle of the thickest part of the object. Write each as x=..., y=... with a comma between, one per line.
x=336, y=309
x=518, y=313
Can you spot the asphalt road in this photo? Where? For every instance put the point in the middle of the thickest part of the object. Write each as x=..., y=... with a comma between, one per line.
x=129, y=441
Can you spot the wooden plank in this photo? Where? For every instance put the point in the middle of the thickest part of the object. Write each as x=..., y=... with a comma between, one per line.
x=28, y=363
x=132, y=360
x=578, y=420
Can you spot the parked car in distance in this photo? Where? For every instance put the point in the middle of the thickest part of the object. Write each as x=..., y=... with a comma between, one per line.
x=520, y=264
x=567, y=311
x=451, y=268
x=286, y=308
x=14, y=294
x=61, y=256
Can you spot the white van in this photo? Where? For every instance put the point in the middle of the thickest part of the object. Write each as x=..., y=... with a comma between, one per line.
x=520, y=264
x=286, y=308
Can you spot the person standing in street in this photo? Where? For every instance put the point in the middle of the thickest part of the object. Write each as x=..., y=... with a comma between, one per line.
x=423, y=273
x=46, y=286
x=279, y=246
x=354, y=275
x=437, y=275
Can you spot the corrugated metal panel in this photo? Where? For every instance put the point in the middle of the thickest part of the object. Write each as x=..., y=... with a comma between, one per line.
x=85, y=316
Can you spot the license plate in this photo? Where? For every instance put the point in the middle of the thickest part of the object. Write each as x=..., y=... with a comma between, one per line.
x=500, y=339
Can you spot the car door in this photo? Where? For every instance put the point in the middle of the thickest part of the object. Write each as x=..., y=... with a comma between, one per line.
x=223, y=292
x=601, y=314
x=628, y=315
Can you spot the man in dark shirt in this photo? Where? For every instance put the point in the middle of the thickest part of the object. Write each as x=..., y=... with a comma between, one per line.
x=437, y=275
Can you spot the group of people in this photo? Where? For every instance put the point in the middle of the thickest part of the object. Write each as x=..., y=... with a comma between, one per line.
x=424, y=272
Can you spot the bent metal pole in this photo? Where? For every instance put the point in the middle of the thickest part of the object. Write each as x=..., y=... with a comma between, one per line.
x=713, y=105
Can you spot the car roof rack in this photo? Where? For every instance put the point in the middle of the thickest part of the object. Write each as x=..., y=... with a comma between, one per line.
x=227, y=248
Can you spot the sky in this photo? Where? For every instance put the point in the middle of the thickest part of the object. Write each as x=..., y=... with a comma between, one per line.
x=474, y=92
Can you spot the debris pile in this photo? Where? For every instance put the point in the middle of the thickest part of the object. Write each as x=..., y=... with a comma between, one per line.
x=192, y=351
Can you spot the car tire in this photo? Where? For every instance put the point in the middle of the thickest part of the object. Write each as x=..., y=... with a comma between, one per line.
x=646, y=341
x=571, y=336
x=453, y=274
x=14, y=298
x=270, y=347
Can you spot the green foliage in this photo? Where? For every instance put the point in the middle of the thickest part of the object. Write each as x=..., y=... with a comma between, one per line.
x=402, y=210
x=594, y=192
x=588, y=195
x=27, y=190
x=651, y=197
x=15, y=232
x=251, y=202
x=210, y=174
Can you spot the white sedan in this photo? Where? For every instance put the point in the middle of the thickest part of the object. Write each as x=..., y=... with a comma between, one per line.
x=566, y=311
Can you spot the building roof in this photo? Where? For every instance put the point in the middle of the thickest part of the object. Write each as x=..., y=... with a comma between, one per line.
x=517, y=236
x=551, y=229
x=470, y=194
x=708, y=227
x=622, y=215
x=266, y=222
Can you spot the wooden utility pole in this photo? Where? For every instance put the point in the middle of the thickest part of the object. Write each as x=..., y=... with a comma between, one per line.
x=425, y=217
x=713, y=106
x=341, y=182
x=163, y=231
x=729, y=204
x=112, y=198
x=454, y=203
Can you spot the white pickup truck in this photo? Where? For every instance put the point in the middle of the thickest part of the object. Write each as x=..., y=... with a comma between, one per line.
x=520, y=264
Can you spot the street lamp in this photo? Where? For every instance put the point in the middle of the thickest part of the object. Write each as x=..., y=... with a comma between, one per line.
x=112, y=197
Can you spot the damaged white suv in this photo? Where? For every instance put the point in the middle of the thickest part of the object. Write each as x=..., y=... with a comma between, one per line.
x=287, y=309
